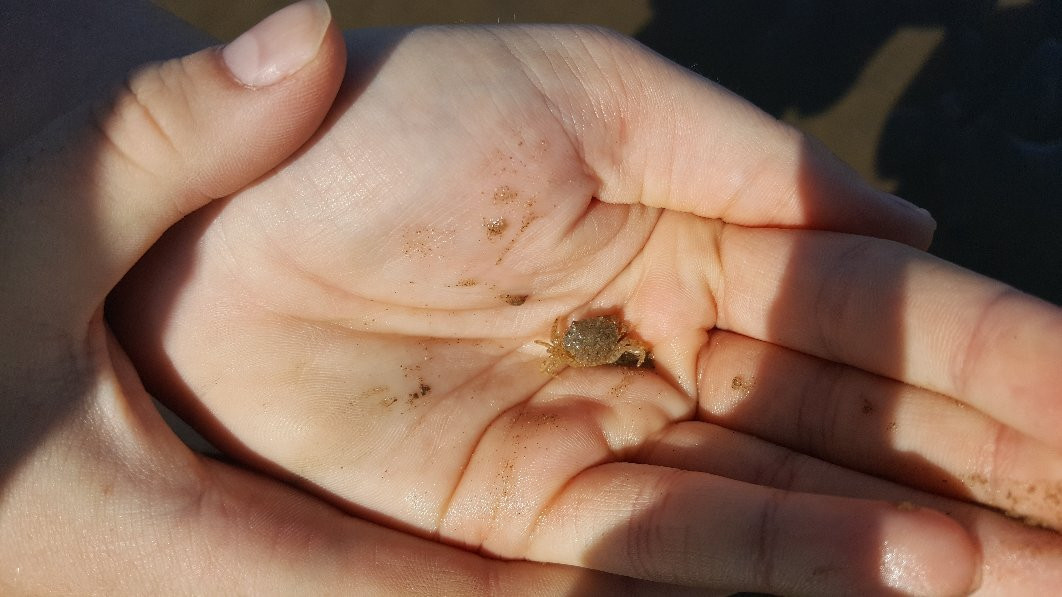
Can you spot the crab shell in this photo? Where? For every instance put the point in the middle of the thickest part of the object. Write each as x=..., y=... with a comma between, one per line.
x=594, y=341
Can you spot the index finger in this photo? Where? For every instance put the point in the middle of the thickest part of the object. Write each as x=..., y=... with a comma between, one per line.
x=901, y=313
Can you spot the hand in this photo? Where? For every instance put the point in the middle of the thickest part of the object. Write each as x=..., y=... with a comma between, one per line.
x=99, y=496
x=364, y=322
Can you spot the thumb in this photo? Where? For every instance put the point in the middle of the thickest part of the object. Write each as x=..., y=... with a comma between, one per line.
x=87, y=198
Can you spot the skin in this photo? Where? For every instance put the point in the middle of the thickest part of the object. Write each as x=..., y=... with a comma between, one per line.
x=98, y=495
x=294, y=324
x=254, y=321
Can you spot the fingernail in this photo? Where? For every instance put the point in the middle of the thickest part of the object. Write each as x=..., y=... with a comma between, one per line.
x=927, y=553
x=908, y=205
x=280, y=45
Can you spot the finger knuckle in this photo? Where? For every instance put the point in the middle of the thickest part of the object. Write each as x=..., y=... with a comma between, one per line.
x=983, y=336
x=146, y=120
x=766, y=538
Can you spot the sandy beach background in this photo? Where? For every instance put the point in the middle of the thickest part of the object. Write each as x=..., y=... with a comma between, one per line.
x=955, y=105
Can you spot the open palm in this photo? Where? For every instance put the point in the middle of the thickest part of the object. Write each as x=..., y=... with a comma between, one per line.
x=363, y=321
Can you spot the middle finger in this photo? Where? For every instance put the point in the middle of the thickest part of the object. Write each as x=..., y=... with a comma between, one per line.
x=877, y=425
x=1017, y=559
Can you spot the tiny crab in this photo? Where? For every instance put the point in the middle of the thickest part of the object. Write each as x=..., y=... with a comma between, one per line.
x=590, y=342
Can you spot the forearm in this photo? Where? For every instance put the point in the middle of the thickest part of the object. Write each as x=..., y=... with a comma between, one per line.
x=59, y=53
